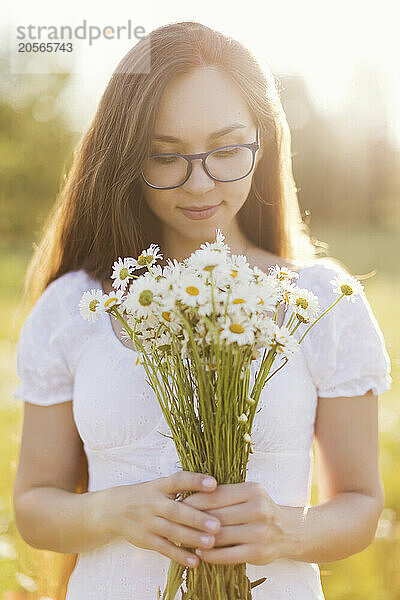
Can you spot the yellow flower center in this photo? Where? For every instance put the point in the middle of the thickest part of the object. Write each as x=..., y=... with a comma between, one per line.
x=123, y=274
x=346, y=289
x=166, y=315
x=238, y=301
x=146, y=297
x=302, y=302
x=236, y=328
x=192, y=290
x=234, y=273
x=144, y=259
x=93, y=304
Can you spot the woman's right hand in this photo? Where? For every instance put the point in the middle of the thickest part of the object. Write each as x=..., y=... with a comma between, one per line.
x=148, y=516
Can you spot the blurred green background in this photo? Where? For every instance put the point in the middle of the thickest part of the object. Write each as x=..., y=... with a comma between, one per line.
x=348, y=178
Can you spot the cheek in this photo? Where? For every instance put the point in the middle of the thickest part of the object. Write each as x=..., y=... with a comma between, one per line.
x=235, y=193
x=160, y=203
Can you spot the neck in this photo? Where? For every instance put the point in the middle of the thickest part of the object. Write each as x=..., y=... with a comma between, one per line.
x=177, y=246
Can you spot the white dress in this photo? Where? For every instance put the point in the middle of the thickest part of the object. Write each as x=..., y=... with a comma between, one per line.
x=60, y=357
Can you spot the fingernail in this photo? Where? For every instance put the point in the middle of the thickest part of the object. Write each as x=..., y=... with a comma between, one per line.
x=205, y=539
x=209, y=482
x=212, y=525
x=198, y=552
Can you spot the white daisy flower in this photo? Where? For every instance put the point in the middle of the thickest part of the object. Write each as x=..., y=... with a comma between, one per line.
x=265, y=330
x=237, y=328
x=206, y=262
x=172, y=275
x=147, y=327
x=149, y=257
x=218, y=245
x=112, y=299
x=287, y=289
x=156, y=273
x=140, y=298
x=172, y=266
x=305, y=304
x=243, y=298
x=191, y=290
x=91, y=305
x=259, y=275
x=240, y=268
x=122, y=272
x=282, y=272
x=284, y=343
x=267, y=295
x=347, y=285
x=166, y=315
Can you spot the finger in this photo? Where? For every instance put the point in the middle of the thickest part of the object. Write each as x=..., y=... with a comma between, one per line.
x=187, y=481
x=187, y=515
x=181, y=534
x=257, y=509
x=239, y=534
x=226, y=556
x=223, y=495
x=236, y=514
x=170, y=550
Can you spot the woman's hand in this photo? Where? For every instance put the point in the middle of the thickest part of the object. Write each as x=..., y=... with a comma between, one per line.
x=148, y=516
x=253, y=525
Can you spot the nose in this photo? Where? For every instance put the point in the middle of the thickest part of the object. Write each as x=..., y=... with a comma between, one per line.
x=199, y=181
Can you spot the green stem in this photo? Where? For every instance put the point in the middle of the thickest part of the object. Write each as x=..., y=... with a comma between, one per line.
x=320, y=316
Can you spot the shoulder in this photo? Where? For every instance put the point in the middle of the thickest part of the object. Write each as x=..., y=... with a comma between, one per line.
x=315, y=272
x=59, y=302
x=54, y=323
x=353, y=313
x=67, y=288
x=317, y=275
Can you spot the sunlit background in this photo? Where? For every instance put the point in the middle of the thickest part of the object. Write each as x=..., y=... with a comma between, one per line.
x=338, y=68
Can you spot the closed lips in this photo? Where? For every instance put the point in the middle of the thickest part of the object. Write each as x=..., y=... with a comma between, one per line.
x=199, y=208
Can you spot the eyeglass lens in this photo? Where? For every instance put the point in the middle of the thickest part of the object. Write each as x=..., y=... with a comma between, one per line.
x=227, y=164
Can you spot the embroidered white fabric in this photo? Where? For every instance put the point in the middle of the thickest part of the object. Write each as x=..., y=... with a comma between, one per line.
x=61, y=357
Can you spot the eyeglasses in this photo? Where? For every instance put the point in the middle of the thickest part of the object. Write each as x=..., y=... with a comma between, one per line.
x=167, y=171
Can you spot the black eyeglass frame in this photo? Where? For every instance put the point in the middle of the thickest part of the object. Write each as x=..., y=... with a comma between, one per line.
x=253, y=146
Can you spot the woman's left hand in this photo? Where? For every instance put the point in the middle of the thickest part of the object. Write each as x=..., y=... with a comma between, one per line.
x=254, y=529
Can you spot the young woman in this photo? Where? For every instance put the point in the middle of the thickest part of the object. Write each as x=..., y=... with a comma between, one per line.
x=196, y=142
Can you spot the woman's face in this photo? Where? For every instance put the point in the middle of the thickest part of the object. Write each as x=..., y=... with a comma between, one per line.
x=195, y=106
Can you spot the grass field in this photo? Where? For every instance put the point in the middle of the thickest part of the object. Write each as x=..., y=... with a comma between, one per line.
x=373, y=573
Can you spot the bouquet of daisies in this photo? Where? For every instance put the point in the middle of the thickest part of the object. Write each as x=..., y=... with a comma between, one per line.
x=196, y=327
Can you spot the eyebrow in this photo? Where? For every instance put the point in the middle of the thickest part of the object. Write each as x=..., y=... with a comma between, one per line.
x=213, y=136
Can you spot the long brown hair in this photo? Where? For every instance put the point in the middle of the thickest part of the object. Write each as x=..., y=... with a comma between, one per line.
x=100, y=213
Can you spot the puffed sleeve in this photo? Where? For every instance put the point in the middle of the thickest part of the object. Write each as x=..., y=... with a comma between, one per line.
x=42, y=363
x=345, y=350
